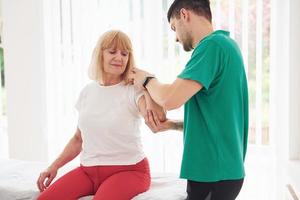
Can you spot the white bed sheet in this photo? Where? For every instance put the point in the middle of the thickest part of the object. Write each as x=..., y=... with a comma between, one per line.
x=17, y=182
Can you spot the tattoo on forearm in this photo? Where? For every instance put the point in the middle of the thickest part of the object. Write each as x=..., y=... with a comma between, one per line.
x=178, y=125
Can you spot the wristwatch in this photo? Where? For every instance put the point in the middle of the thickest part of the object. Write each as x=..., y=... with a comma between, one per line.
x=147, y=79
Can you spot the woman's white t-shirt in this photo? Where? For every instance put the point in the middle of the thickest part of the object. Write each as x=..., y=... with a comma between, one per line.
x=109, y=123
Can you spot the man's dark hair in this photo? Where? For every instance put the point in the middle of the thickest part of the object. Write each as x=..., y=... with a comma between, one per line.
x=199, y=7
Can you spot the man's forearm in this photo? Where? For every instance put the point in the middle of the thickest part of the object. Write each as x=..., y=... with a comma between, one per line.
x=171, y=125
x=158, y=91
x=177, y=125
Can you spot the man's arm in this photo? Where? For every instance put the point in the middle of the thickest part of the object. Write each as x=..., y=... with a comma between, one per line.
x=169, y=96
x=171, y=125
x=172, y=96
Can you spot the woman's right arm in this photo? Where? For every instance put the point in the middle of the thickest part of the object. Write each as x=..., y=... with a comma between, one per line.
x=72, y=149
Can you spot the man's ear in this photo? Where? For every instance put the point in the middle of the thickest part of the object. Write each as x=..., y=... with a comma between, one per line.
x=184, y=14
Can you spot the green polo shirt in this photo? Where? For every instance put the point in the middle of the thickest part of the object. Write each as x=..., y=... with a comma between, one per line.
x=216, y=117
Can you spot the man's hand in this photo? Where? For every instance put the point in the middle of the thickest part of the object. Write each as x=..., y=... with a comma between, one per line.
x=168, y=124
x=138, y=76
x=152, y=121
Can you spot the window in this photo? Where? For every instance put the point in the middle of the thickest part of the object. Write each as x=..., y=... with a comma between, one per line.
x=249, y=24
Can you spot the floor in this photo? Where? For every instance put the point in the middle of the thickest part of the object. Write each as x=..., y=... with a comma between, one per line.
x=260, y=175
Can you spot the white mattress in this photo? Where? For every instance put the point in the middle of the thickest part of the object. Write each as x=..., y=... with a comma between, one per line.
x=18, y=182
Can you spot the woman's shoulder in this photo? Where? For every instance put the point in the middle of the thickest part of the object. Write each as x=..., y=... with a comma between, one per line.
x=133, y=88
x=88, y=86
x=91, y=84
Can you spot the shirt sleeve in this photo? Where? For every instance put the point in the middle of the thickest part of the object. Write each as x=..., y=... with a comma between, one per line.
x=135, y=94
x=204, y=64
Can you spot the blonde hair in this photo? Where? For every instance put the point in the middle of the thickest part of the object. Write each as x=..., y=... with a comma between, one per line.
x=111, y=39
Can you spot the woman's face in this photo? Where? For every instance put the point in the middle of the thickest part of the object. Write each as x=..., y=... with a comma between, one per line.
x=115, y=61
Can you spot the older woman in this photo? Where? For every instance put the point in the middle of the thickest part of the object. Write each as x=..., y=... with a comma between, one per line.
x=113, y=164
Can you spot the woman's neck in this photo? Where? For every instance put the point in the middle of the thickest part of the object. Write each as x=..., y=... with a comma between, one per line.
x=110, y=80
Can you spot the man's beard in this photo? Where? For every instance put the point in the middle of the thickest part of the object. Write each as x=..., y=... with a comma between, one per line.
x=188, y=43
x=187, y=47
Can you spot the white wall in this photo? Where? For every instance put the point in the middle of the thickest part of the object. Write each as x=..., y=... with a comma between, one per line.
x=279, y=77
x=279, y=92
x=285, y=83
x=1, y=8
x=25, y=78
x=294, y=95
x=294, y=80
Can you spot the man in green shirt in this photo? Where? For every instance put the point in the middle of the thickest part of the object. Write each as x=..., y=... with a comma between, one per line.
x=213, y=89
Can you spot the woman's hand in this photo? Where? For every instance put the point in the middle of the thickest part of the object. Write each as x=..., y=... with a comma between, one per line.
x=71, y=150
x=48, y=175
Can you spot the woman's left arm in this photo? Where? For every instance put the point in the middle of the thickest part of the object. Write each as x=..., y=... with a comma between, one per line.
x=152, y=113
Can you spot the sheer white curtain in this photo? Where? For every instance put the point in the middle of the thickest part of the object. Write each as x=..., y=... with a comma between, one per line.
x=73, y=27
